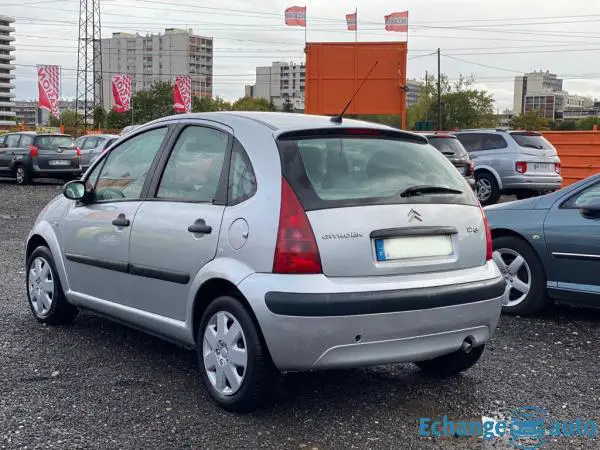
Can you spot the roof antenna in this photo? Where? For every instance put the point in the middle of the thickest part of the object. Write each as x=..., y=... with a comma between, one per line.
x=338, y=118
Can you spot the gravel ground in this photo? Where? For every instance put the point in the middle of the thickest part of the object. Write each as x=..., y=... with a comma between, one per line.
x=96, y=384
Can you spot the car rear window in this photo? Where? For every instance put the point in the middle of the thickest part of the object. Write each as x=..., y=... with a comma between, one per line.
x=449, y=146
x=342, y=171
x=531, y=140
x=55, y=142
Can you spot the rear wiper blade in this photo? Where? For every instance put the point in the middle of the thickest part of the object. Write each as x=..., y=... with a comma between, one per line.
x=428, y=189
x=537, y=147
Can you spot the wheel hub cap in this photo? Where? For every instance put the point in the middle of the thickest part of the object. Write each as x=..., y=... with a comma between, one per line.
x=41, y=286
x=516, y=273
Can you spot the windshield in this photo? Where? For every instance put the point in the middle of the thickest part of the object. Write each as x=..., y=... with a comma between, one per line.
x=55, y=142
x=352, y=171
x=448, y=146
x=531, y=140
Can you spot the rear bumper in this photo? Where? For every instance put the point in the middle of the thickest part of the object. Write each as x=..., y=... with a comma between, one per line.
x=340, y=323
x=532, y=182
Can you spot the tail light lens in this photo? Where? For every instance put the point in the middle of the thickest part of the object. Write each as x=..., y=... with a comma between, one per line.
x=78, y=151
x=33, y=151
x=296, y=249
x=521, y=166
x=471, y=168
x=488, y=236
x=557, y=168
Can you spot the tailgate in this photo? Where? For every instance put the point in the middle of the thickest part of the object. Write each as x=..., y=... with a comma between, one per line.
x=399, y=239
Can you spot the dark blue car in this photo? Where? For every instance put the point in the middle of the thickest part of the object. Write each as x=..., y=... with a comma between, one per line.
x=548, y=248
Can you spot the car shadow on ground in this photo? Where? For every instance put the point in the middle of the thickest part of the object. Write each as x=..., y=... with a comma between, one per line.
x=40, y=181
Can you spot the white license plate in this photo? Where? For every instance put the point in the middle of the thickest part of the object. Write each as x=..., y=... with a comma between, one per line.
x=543, y=167
x=59, y=162
x=413, y=247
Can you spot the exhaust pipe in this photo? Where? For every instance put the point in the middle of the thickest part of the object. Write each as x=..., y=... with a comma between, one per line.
x=467, y=345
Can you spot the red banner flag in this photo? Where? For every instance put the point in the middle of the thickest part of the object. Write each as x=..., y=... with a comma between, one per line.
x=351, y=21
x=182, y=94
x=49, y=89
x=397, y=22
x=121, y=88
x=295, y=16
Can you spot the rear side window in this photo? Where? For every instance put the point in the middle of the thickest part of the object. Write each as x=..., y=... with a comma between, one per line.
x=493, y=142
x=26, y=140
x=471, y=141
x=531, y=140
x=91, y=142
x=242, y=181
x=109, y=142
x=331, y=172
x=448, y=146
x=55, y=142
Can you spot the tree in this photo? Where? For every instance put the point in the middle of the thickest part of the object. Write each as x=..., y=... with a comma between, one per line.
x=99, y=117
x=68, y=119
x=252, y=104
x=116, y=120
x=153, y=103
x=287, y=106
x=207, y=104
x=587, y=123
x=529, y=121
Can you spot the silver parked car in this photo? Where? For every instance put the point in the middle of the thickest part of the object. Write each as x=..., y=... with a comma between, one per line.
x=92, y=145
x=521, y=163
x=273, y=243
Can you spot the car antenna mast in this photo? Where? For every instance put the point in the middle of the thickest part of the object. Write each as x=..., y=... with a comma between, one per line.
x=338, y=118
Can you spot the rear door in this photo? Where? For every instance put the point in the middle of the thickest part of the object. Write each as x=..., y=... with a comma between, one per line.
x=381, y=205
x=11, y=146
x=55, y=152
x=176, y=233
x=539, y=154
x=4, y=155
x=88, y=149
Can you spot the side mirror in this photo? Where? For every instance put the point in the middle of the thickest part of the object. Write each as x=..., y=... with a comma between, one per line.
x=74, y=190
x=591, y=208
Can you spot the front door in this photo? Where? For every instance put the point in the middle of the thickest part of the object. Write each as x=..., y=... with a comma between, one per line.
x=573, y=242
x=96, y=232
x=177, y=233
x=11, y=144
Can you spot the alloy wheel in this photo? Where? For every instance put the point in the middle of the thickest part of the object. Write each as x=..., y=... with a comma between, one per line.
x=20, y=175
x=484, y=189
x=517, y=274
x=41, y=286
x=225, y=354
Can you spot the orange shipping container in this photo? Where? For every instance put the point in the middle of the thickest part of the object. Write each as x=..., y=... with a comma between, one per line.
x=335, y=70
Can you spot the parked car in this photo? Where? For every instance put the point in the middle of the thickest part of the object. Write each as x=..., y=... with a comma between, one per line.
x=521, y=163
x=92, y=145
x=548, y=248
x=28, y=155
x=274, y=242
x=451, y=148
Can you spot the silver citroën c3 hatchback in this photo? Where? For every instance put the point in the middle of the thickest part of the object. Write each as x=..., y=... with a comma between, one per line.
x=273, y=243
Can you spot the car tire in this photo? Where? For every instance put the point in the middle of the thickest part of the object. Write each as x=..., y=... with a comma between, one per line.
x=488, y=191
x=242, y=385
x=22, y=175
x=44, y=291
x=529, y=272
x=452, y=364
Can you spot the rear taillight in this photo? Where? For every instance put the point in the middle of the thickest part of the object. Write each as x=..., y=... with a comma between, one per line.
x=521, y=166
x=33, y=150
x=78, y=152
x=488, y=236
x=557, y=168
x=296, y=249
x=471, y=168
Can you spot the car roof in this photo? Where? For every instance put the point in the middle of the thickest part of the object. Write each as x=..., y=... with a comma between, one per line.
x=484, y=130
x=280, y=122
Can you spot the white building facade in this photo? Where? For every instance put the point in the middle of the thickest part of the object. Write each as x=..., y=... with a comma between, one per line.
x=158, y=57
x=281, y=83
x=7, y=114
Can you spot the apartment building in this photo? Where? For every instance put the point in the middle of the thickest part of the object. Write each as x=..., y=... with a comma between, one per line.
x=7, y=114
x=280, y=83
x=158, y=57
x=413, y=90
x=28, y=113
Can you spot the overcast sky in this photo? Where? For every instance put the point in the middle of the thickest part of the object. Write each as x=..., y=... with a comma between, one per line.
x=497, y=39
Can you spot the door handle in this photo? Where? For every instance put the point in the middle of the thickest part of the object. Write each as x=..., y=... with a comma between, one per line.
x=200, y=227
x=121, y=221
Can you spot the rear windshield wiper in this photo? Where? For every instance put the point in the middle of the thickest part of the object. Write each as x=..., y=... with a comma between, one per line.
x=537, y=147
x=428, y=189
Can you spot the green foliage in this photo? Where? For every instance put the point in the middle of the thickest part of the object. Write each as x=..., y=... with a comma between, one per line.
x=462, y=105
x=153, y=103
x=207, y=104
x=68, y=119
x=567, y=125
x=529, y=121
x=588, y=123
x=252, y=104
x=99, y=116
x=287, y=106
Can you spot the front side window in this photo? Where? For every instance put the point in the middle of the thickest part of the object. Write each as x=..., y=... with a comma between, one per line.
x=90, y=143
x=193, y=171
x=589, y=195
x=26, y=140
x=12, y=140
x=126, y=167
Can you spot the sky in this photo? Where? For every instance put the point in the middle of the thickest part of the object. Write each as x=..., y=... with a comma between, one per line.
x=493, y=40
